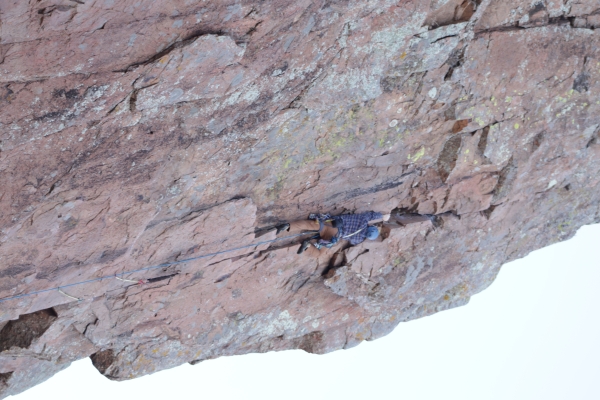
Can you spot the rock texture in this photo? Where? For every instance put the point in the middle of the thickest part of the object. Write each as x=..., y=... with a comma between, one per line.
x=134, y=133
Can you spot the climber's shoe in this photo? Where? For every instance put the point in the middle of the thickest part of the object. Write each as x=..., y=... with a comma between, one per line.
x=436, y=221
x=303, y=246
x=282, y=227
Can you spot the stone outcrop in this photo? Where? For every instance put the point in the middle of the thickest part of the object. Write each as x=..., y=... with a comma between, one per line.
x=136, y=133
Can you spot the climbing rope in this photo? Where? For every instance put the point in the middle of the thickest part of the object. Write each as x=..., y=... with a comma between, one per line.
x=163, y=265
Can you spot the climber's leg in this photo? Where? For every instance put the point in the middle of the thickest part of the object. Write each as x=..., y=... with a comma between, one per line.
x=304, y=225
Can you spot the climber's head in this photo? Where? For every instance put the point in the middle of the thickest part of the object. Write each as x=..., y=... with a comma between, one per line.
x=372, y=233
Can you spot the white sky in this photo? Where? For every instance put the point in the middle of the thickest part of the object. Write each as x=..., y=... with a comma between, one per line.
x=534, y=334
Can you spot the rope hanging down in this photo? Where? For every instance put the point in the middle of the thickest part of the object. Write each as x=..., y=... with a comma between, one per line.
x=163, y=265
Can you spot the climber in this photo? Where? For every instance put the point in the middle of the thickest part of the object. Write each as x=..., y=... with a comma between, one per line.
x=355, y=228
x=329, y=230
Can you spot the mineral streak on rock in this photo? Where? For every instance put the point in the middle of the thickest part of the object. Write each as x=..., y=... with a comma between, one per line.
x=134, y=133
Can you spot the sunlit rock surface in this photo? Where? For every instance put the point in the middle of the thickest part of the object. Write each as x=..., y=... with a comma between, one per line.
x=134, y=133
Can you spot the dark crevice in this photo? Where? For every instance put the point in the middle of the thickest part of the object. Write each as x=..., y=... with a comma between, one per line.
x=482, y=145
x=594, y=140
x=253, y=29
x=505, y=182
x=311, y=342
x=88, y=325
x=177, y=45
x=443, y=37
x=160, y=278
x=483, y=140
x=223, y=277
x=258, y=232
x=133, y=99
x=115, y=106
x=536, y=142
x=51, y=189
x=51, y=115
x=505, y=28
x=581, y=83
x=448, y=156
x=14, y=269
x=454, y=61
x=102, y=360
x=4, y=378
x=556, y=21
x=22, y=332
x=488, y=213
x=252, y=10
x=46, y=10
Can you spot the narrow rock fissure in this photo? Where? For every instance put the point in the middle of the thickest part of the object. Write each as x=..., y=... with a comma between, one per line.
x=160, y=278
x=177, y=45
x=555, y=21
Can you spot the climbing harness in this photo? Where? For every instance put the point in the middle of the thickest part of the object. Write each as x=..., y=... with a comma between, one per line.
x=352, y=234
x=141, y=281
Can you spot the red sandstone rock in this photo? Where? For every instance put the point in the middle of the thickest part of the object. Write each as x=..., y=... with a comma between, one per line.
x=138, y=133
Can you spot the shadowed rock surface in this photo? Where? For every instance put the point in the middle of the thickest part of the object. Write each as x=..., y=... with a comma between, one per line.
x=135, y=133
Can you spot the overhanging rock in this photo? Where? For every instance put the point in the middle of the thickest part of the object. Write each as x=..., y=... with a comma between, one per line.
x=143, y=133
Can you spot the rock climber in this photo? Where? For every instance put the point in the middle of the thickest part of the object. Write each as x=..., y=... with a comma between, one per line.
x=329, y=230
x=355, y=228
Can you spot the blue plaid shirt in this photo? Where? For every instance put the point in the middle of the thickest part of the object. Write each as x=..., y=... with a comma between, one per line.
x=354, y=227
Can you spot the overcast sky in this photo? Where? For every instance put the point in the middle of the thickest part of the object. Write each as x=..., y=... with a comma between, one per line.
x=534, y=334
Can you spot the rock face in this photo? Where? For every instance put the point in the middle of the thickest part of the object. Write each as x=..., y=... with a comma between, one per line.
x=135, y=133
